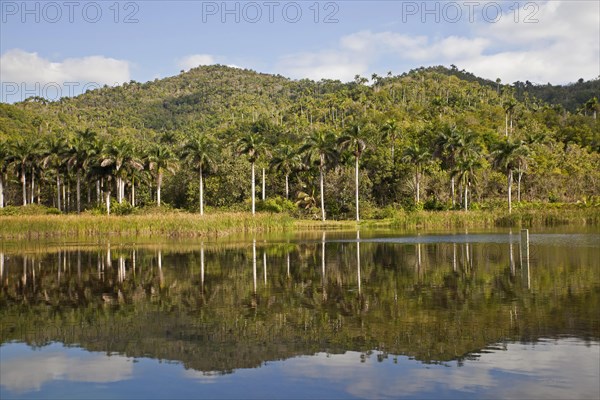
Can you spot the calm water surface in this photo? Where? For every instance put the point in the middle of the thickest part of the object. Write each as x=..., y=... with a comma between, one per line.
x=376, y=314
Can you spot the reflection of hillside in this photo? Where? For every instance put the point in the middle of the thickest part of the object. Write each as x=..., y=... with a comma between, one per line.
x=435, y=302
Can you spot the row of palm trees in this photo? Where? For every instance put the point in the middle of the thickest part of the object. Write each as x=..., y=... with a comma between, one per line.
x=119, y=162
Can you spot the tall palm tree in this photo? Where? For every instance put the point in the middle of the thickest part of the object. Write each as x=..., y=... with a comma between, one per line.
x=389, y=130
x=468, y=160
x=5, y=159
x=22, y=151
x=120, y=154
x=251, y=144
x=509, y=108
x=201, y=152
x=286, y=161
x=81, y=154
x=55, y=150
x=320, y=147
x=355, y=141
x=419, y=156
x=161, y=159
x=506, y=158
x=446, y=148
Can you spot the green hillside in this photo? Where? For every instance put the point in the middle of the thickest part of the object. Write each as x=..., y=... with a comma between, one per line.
x=416, y=136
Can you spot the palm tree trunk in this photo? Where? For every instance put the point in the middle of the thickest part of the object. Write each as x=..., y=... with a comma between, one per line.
x=79, y=191
x=452, y=187
x=108, y=202
x=158, y=185
x=466, y=196
x=519, y=186
x=322, y=194
x=31, y=198
x=97, y=192
x=133, y=192
x=119, y=193
x=287, y=187
x=201, y=193
x=1, y=190
x=253, y=192
x=263, y=185
x=356, y=181
x=24, y=182
x=417, y=184
x=509, y=190
x=58, y=191
x=506, y=124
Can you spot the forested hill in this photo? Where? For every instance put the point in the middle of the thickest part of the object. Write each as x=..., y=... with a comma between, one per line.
x=573, y=97
x=403, y=119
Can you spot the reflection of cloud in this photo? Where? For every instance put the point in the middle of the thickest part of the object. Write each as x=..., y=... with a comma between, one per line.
x=30, y=372
x=522, y=371
x=202, y=376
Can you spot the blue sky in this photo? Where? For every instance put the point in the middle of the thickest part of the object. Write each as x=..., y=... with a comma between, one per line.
x=56, y=47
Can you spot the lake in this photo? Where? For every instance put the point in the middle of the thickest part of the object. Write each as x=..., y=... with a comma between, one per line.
x=369, y=314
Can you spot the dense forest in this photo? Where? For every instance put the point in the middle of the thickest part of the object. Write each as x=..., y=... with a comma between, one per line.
x=433, y=138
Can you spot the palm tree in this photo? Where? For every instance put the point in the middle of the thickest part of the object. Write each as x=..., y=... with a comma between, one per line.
x=389, y=131
x=506, y=158
x=201, y=152
x=81, y=154
x=22, y=151
x=5, y=159
x=418, y=156
x=466, y=173
x=355, y=141
x=509, y=108
x=468, y=159
x=251, y=144
x=320, y=146
x=286, y=161
x=161, y=159
x=120, y=154
x=446, y=149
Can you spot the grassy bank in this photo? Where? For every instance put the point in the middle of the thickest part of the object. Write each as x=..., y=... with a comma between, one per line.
x=180, y=224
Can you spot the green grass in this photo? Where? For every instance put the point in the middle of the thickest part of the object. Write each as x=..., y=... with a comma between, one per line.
x=170, y=223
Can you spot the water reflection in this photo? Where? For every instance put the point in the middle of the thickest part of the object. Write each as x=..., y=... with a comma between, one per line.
x=436, y=299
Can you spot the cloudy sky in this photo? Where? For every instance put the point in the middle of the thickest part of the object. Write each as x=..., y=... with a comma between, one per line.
x=57, y=48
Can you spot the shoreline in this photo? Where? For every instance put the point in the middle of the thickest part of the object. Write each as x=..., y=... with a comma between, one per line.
x=171, y=224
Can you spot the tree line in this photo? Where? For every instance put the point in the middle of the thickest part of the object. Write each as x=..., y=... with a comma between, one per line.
x=413, y=141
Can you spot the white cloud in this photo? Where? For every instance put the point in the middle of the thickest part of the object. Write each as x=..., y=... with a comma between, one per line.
x=20, y=66
x=562, y=46
x=195, y=60
x=328, y=65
